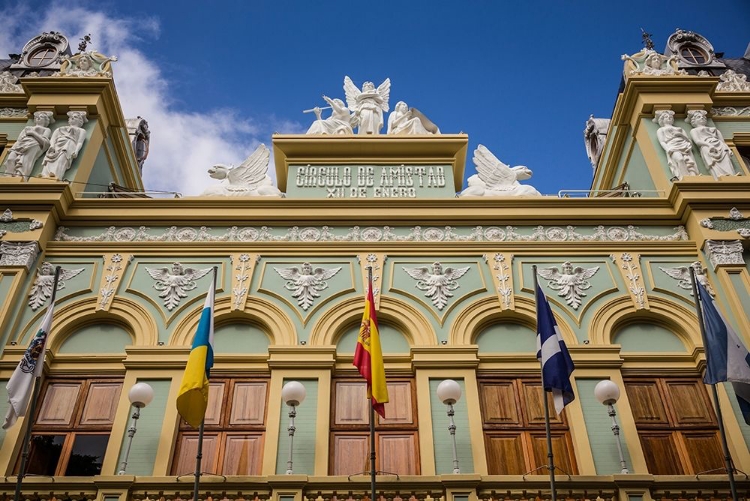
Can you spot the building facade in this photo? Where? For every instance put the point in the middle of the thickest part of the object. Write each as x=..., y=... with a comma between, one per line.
x=453, y=284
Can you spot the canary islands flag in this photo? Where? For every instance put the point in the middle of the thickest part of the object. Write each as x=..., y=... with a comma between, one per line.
x=368, y=356
x=193, y=397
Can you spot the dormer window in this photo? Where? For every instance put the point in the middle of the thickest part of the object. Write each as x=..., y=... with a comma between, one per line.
x=42, y=56
x=693, y=55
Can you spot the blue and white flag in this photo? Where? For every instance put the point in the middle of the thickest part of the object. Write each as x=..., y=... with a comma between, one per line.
x=727, y=359
x=557, y=366
x=21, y=383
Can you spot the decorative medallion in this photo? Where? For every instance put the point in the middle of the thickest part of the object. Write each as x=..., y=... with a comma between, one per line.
x=437, y=283
x=570, y=282
x=306, y=283
x=41, y=290
x=174, y=283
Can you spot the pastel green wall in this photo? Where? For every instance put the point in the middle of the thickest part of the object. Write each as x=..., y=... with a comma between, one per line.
x=391, y=340
x=13, y=129
x=599, y=430
x=638, y=175
x=97, y=338
x=642, y=337
x=146, y=441
x=304, y=435
x=240, y=338
x=506, y=338
x=100, y=176
x=441, y=437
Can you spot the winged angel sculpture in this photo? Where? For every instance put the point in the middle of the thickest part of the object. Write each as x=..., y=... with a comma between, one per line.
x=570, y=282
x=306, y=283
x=496, y=179
x=682, y=274
x=368, y=105
x=174, y=283
x=437, y=283
x=41, y=290
x=248, y=179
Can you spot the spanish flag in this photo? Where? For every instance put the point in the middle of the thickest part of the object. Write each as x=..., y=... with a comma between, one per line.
x=368, y=357
x=192, y=400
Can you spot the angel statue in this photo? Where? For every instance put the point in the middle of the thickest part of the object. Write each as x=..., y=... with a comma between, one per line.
x=682, y=275
x=174, y=284
x=306, y=283
x=340, y=121
x=496, y=179
x=570, y=283
x=437, y=283
x=41, y=290
x=249, y=179
x=409, y=121
x=368, y=105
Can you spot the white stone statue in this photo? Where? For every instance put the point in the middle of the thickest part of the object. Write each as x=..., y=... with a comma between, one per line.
x=682, y=275
x=41, y=290
x=715, y=153
x=368, y=105
x=406, y=121
x=570, y=282
x=496, y=179
x=32, y=142
x=9, y=83
x=676, y=144
x=437, y=283
x=249, y=179
x=594, y=135
x=65, y=145
x=650, y=62
x=732, y=81
x=340, y=121
x=306, y=283
x=173, y=284
x=87, y=64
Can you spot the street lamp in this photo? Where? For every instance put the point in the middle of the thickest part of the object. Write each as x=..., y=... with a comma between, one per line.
x=449, y=392
x=293, y=394
x=140, y=395
x=607, y=393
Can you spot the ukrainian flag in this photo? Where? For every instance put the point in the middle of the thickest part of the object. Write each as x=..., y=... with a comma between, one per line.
x=193, y=397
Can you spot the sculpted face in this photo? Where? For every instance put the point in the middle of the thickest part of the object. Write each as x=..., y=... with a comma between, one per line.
x=41, y=119
x=654, y=61
x=84, y=63
x=437, y=268
x=306, y=269
x=76, y=120
x=401, y=106
x=567, y=268
x=368, y=87
x=176, y=269
x=698, y=120
x=666, y=118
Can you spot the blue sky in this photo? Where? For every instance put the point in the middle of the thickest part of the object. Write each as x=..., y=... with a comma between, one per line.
x=215, y=79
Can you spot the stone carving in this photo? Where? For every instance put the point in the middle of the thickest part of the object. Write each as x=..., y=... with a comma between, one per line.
x=240, y=291
x=731, y=111
x=496, y=179
x=9, y=224
x=437, y=283
x=32, y=142
x=594, y=136
x=631, y=273
x=733, y=82
x=503, y=276
x=18, y=253
x=65, y=145
x=570, y=282
x=307, y=282
x=110, y=280
x=682, y=275
x=651, y=63
x=744, y=232
x=174, y=283
x=676, y=144
x=406, y=121
x=14, y=112
x=8, y=83
x=340, y=121
x=249, y=179
x=41, y=290
x=714, y=151
x=368, y=105
x=725, y=252
x=140, y=138
x=86, y=64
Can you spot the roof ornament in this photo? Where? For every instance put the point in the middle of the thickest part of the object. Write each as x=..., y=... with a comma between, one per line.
x=496, y=179
x=648, y=44
x=85, y=40
x=249, y=179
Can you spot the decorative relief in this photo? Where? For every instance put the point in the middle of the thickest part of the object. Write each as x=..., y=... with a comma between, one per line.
x=676, y=144
x=496, y=179
x=18, y=253
x=8, y=83
x=243, y=268
x=724, y=252
x=682, y=275
x=10, y=225
x=731, y=111
x=306, y=283
x=437, y=283
x=372, y=234
x=716, y=154
x=32, y=143
x=570, y=282
x=110, y=279
x=250, y=178
x=41, y=290
x=637, y=290
x=735, y=221
x=173, y=284
x=503, y=279
x=733, y=82
x=86, y=64
x=14, y=112
x=650, y=63
x=376, y=261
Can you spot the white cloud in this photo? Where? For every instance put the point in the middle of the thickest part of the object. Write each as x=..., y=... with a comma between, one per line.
x=184, y=143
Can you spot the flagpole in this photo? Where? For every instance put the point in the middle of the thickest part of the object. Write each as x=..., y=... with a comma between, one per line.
x=373, y=467
x=198, y=458
x=727, y=457
x=32, y=407
x=550, y=456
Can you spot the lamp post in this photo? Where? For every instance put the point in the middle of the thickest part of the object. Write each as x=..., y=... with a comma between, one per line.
x=607, y=393
x=293, y=394
x=140, y=395
x=449, y=392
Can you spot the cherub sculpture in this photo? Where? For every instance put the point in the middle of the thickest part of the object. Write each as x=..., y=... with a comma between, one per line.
x=496, y=179
x=175, y=282
x=249, y=179
x=306, y=283
x=368, y=105
x=570, y=282
x=41, y=290
x=87, y=64
x=437, y=283
x=32, y=143
x=682, y=275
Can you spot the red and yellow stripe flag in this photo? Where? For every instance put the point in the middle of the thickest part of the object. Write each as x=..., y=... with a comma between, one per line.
x=368, y=357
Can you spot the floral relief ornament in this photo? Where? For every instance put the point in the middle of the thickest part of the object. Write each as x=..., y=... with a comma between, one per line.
x=437, y=283
x=174, y=283
x=570, y=282
x=307, y=282
x=41, y=290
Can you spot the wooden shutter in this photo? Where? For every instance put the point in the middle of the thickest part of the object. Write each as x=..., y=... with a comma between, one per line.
x=351, y=407
x=399, y=409
x=661, y=454
x=561, y=449
x=350, y=453
x=499, y=404
x=534, y=405
x=690, y=404
x=101, y=404
x=704, y=451
x=215, y=402
x=646, y=403
x=187, y=450
x=59, y=404
x=398, y=453
x=505, y=454
x=248, y=404
x=242, y=454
